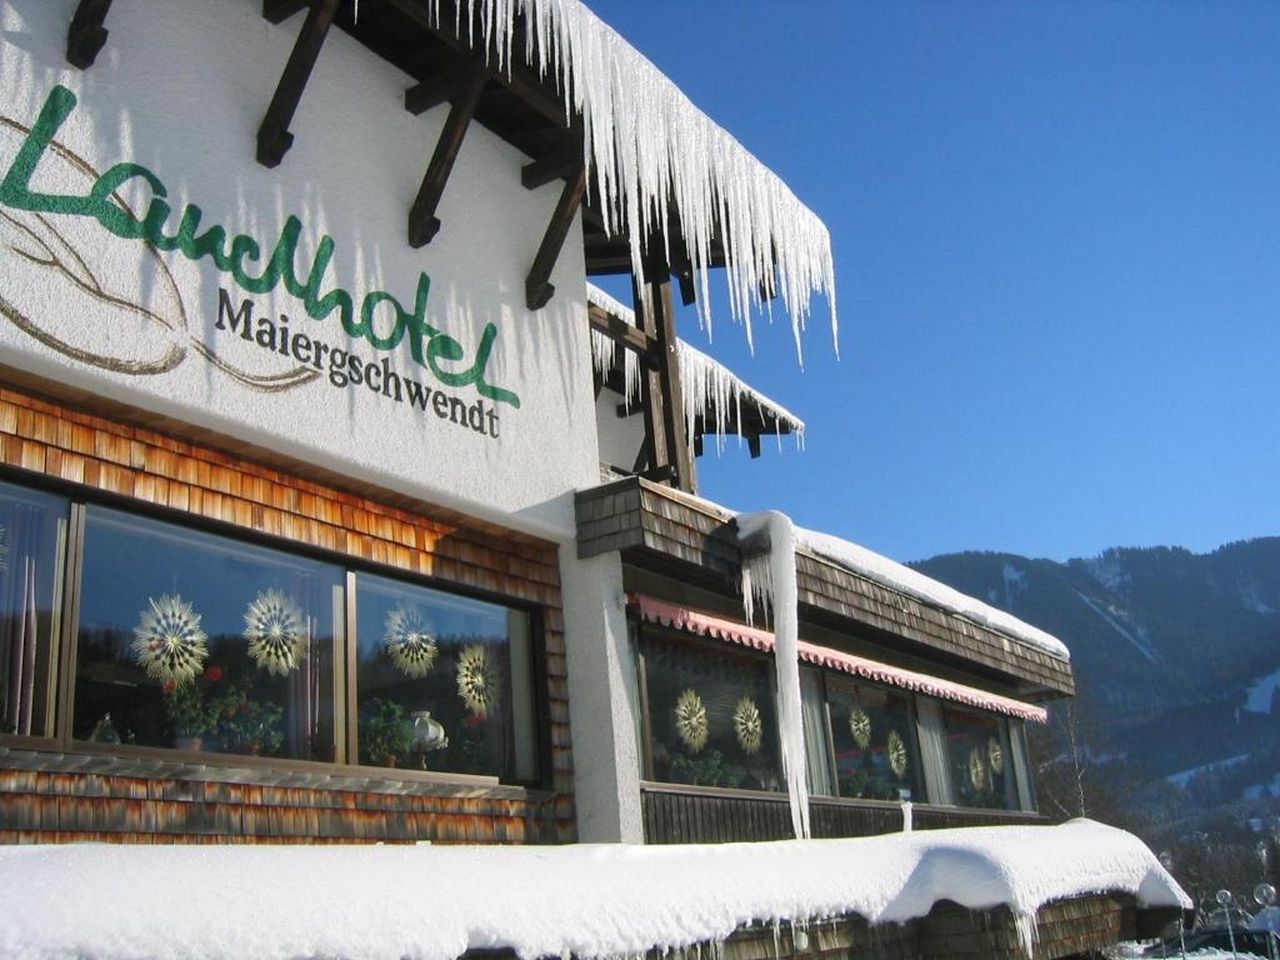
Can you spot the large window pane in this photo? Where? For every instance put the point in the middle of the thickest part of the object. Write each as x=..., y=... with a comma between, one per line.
x=443, y=682
x=203, y=643
x=711, y=718
x=877, y=757
x=978, y=756
x=32, y=537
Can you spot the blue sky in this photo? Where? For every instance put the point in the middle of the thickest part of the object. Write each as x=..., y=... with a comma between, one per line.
x=1057, y=240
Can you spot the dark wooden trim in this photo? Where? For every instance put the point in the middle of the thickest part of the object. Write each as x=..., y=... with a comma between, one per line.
x=538, y=289
x=274, y=138
x=753, y=445
x=430, y=93
x=278, y=11
x=87, y=33
x=565, y=163
x=423, y=222
x=622, y=333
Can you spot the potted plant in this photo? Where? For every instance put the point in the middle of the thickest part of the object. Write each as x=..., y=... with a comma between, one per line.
x=386, y=735
x=246, y=725
x=190, y=718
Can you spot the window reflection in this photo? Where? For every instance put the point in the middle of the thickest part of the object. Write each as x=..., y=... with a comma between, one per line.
x=978, y=756
x=202, y=643
x=435, y=682
x=873, y=730
x=32, y=538
x=711, y=719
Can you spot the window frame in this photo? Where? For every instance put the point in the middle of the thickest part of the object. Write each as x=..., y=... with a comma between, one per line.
x=64, y=654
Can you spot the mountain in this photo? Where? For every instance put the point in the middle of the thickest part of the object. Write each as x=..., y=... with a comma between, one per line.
x=1175, y=729
x=1174, y=652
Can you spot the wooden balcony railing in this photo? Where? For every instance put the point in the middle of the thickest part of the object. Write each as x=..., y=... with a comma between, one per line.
x=681, y=814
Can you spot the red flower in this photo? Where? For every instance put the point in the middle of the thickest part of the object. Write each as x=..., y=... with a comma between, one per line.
x=213, y=674
x=168, y=686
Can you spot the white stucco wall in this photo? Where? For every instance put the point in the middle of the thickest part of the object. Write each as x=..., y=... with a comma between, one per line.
x=180, y=90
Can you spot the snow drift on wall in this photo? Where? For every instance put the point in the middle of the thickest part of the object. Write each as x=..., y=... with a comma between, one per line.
x=433, y=903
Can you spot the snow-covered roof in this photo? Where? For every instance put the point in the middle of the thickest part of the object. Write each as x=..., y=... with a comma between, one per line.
x=709, y=389
x=873, y=566
x=434, y=903
x=652, y=153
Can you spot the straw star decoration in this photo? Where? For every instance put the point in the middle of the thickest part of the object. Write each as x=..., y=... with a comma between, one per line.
x=276, y=631
x=409, y=643
x=691, y=720
x=168, y=641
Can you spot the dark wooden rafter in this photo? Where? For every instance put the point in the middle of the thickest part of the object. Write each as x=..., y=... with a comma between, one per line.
x=538, y=288
x=87, y=33
x=564, y=163
x=278, y=11
x=274, y=138
x=430, y=94
x=423, y=222
x=622, y=333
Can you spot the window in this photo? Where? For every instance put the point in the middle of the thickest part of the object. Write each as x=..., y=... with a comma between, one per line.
x=979, y=758
x=33, y=529
x=873, y=734
x=443, y=682
x=203, y=643
x=709, y=716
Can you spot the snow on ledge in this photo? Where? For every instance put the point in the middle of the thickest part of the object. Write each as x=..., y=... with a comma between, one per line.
x=126, y=902
x=905, y=580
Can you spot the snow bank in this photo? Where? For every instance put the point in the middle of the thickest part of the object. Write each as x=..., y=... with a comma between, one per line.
x=883, y=570
x=648, y=148
x=433, y=903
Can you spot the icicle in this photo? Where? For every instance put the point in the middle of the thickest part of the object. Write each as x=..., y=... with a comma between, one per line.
x=770, y=579
x=648, y=146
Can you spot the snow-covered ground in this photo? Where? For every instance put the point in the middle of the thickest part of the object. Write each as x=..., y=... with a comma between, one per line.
x=1261, y=692
x=434, y=903
x=1183, y=777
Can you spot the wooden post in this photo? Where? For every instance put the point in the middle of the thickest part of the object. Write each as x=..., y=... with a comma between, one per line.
x=274, y=138
x=87, y=33
x=423, y=222
x=663, y=396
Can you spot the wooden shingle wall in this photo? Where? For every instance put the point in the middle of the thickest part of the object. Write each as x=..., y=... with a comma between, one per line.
x=1065, y=928
x=53, y=439
x=658, y=528
x=832, y=589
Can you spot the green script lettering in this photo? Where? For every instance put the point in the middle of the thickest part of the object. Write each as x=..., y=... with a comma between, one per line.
x=427, y=345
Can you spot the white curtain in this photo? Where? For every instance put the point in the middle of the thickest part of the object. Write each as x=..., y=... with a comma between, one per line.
x=933, y=750
x=817, y=749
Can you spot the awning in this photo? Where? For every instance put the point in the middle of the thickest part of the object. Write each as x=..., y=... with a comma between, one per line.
x=708, y=625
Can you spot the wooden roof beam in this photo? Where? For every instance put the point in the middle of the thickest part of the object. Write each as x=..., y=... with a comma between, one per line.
x=623, y=334
x=564, y=163
x=538, y=289
x=430, y=94
x=274, y=138
x=87, y=32
x=278, y=11
x=423, y=222
x=522, y=81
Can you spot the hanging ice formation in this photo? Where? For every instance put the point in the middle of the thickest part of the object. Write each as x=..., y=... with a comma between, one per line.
x=648, y=147
x=769, y=580
x=708, y=388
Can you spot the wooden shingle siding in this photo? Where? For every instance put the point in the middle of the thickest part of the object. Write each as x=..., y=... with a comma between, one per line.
x=45, y=807
x=662, y=530
x=1065, y=928
x=69, y=443
x=831, y=589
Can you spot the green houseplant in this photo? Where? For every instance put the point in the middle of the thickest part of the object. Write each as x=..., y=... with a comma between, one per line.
x=386, y=735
